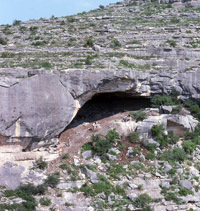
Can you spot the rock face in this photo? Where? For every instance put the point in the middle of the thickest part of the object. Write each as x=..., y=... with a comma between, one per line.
x=42, y=106
x=37, y=107
x=134, y=48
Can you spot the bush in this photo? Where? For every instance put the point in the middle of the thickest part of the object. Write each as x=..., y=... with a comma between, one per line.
x=134, y=137
x=53, y=180
x=171, y=196
x=188, y=146
x=101, y=7
x=45, y=201
x=143, y=200
x=172, y=43
x=115, y=44
x=149, y=146
x=88, y=60
x=89, y=42
x=3, y=41
x=174, y=20
x=157, y=130
x=87, y=190
x=177, y=154
x=184, y=191
x=150, y=156
x=139, y=115
x=33, y=190
x=159, y=100
x=193, y=108
x=87, y=146
x=101, y=144
x=41, y=164
x=177, y=109
x=16, y=22
x=7, y=55
x=46, y=65
x=65, y=156
x=24, y=192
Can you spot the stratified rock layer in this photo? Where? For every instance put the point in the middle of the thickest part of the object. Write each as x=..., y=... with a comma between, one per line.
x=41, y=106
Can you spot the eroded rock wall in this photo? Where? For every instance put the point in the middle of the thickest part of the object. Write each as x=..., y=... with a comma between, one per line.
x=42, y=105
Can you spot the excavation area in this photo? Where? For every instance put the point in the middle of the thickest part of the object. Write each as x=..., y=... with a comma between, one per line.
x=108, y=104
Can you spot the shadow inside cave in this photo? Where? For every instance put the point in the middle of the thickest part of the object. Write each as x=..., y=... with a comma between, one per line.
x=108, y=104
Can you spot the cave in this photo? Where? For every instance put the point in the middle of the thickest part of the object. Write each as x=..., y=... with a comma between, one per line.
x=107, y=104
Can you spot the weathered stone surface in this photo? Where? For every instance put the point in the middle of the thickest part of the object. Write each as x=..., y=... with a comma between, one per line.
x=10, y=174
x=37, y=107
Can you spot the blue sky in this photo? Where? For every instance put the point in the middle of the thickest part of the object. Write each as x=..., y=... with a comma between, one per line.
x=11, y=10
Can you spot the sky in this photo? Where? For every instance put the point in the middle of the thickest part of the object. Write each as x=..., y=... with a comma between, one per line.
x=24, y=10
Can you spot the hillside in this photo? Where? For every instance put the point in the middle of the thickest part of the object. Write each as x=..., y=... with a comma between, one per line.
x=100, y=110
x=144, y=36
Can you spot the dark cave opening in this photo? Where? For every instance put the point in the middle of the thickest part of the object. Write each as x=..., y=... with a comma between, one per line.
x=107, y=104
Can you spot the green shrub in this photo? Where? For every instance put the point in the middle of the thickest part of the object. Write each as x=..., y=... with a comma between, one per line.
x=184, y=191
x=3, y=41
x=101, y=7
x=33, y=190
x=7, y=55
x=87, y=190
x=33, y=29
x=174, y=20
x=63, y=166
x=115, y=170
x=87, y=146
x=41, y=164
x=53, y=179
x=139, y=115
x=89, y=42
x=134, y=137
x=177, y=154
x=46, y=65
x=171, y=196
x=65, y=156
x=150, y=156
x=127, y=64
x=172, y=43
x=159, y=100
x=115, y=44
x=88, y=60
x=193, y=108
x=101, y=144
x=71, y=19
x=67, y=204
x=149, y=146
x=45, y=201
x=16, y=22
x=138, y=166
x=188, y=146
x=143, y=200
x=172, y=172
x=177, y=109
x=171, y=138
x=157, y=130
x=24, y=192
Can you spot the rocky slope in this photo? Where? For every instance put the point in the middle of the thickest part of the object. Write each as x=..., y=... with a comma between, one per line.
x=141, y=48
x=130, y=159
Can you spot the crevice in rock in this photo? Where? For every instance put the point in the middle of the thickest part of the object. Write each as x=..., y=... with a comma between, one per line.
x=107, y=104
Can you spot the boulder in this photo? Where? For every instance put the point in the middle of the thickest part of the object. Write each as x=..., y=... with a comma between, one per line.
x=180, y=124
x=186, y=184
x=38, y=107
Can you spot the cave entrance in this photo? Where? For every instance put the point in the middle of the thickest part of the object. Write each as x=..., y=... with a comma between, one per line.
x=107, y=104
